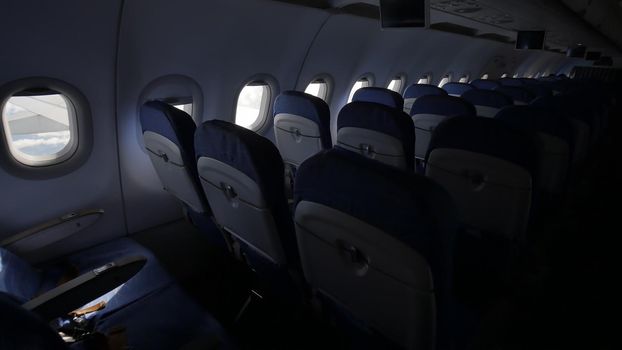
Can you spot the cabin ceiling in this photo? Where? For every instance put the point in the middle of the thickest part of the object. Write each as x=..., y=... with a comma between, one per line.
x=596, y=24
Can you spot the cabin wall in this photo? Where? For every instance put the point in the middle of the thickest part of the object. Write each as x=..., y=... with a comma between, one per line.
x=286, y=43
x=73, y=41
x=118, y=53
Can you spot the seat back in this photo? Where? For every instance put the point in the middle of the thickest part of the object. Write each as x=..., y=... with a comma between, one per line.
x=242, y=175
x=379, y=95
x=387, y=265
x=413, y=92
x=22, y=329
x=428, y=111
x=580, y=128
x=457, y=89
x=168, y=134
x=17, y=277
x=487, y=102
x=520, y=95
x=488, y=168
x=485, y=84
x=377, y=132
x=553, y=145
x=301, y=126
x=511, y=82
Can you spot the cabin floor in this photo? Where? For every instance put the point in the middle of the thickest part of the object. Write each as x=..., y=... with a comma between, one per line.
x=560, y=295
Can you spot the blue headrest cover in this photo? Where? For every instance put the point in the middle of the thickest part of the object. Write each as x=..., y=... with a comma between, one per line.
x=259, y=159
x=383, y=119
x=409, y=207
x=511, y=82
x=306, y=106
x=487, y=136
x=457, y=88
x=418, y=90
x=166, y=120
x=379, y=95
x=487, y=98
x=517, y=93
x=532, y=118
x=449, y=106
x=485, y=84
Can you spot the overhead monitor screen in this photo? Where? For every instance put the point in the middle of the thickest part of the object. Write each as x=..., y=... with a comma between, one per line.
x=577, y=51
x=404, y=13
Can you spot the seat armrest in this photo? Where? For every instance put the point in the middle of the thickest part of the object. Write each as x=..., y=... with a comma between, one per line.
x=28, y=242
x=77, y=292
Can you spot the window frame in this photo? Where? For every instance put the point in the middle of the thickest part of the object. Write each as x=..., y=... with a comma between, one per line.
x=485, y=76
x=370, y=82
x=81, y=140
x=328, y=87
x=465, y=78
x=427, y=77
x=447, y=76
x=402, y=83
x=266, y=103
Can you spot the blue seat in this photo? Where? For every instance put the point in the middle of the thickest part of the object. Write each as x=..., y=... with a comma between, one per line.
x=520, y=95
x=428, y=111
x=168, y=134
x=242, y=175
x=555, y=143
x=489, y=169
x=301, y=126
x=487, y=102
x=415, y=91
x=379, y=95
x=485, y=84
x=457, y=89
x=562, y=107
x=387, y=266
x=377, y=132
x=511, y=82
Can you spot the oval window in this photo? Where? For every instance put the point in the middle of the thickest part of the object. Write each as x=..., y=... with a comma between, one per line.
x=40, y=127
x=253, y=105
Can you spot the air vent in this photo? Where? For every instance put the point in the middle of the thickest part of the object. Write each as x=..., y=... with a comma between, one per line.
x=453, y=28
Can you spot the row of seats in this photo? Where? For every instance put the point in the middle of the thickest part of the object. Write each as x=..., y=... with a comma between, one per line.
x=367, y=233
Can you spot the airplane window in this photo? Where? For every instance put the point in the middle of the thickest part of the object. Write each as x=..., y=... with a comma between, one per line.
x=464, y=79
x=361, y=83
x=515, y=75
x=396, y=84
x=425, y=79
x=186, y=107
x=252, y=108
x=485, y=76
x=318, y=88
x=504, y=75
x=40, y=127
x=446, y=79
x=538, y=75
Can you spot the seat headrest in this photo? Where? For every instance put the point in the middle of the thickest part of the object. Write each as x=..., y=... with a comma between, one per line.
x=487, y=98
x=383, y=96
x=246, y=151
x=510, y=82
x=306, y=106
x=532, y=118
x=383, y=119
x=487, y=136
x=485, y=84
x=368, y=190
x=457, y=88
x=449, y=106
x=418, y=90
x=517, y=93
x=168, y=121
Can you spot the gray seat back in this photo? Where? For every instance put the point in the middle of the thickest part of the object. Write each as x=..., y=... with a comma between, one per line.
x=390, y=273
